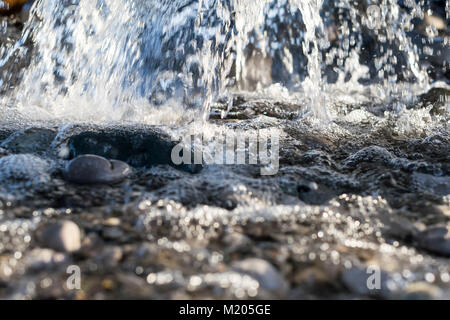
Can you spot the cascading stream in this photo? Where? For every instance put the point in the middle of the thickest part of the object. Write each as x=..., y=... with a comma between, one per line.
x=148, y=60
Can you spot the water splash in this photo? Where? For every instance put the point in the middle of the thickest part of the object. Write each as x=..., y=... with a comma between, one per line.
x=158, y=61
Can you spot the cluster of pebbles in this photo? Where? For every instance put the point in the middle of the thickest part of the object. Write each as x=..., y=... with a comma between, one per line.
x=367, y=193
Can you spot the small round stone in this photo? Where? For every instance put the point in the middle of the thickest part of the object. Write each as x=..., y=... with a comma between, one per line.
x=91, y=169
x=64, y=236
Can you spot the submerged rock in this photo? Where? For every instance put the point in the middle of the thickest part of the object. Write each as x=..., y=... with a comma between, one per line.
x=139, y=147
x=436, y=239
x=64, y=236
x=91, y=169
x=32, y=140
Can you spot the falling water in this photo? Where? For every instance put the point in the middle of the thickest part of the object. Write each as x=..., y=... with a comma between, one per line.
x=136, y=60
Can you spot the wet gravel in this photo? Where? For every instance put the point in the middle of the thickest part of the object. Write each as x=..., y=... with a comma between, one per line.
x=368, y=190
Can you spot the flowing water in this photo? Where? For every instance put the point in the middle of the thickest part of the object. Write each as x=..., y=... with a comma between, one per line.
x=132, y=57
x=357, y=92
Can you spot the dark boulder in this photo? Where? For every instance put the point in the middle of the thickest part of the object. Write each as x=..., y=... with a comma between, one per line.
x=139, y=147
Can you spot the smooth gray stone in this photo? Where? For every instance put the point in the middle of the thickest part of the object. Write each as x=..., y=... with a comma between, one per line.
x=63, y=236
x=92, y=169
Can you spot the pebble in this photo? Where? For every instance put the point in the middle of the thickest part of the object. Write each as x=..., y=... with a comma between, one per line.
x=91, y=169
x=436, y=239
x=64, y=236
x=265, y=273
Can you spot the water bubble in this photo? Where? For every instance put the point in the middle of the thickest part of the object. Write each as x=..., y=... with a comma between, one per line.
x=373, y=17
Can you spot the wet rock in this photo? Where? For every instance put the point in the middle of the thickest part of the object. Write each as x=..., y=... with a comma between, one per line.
x=91, y=169
x=432, y=184
x=265, y=273
x=64, y=236
x=372, y=154
x=32, y=140
x=139, y=147
x=24, y=167
x=5, y=132
x=437, y=98
x=436, y=239
x=311, y=193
